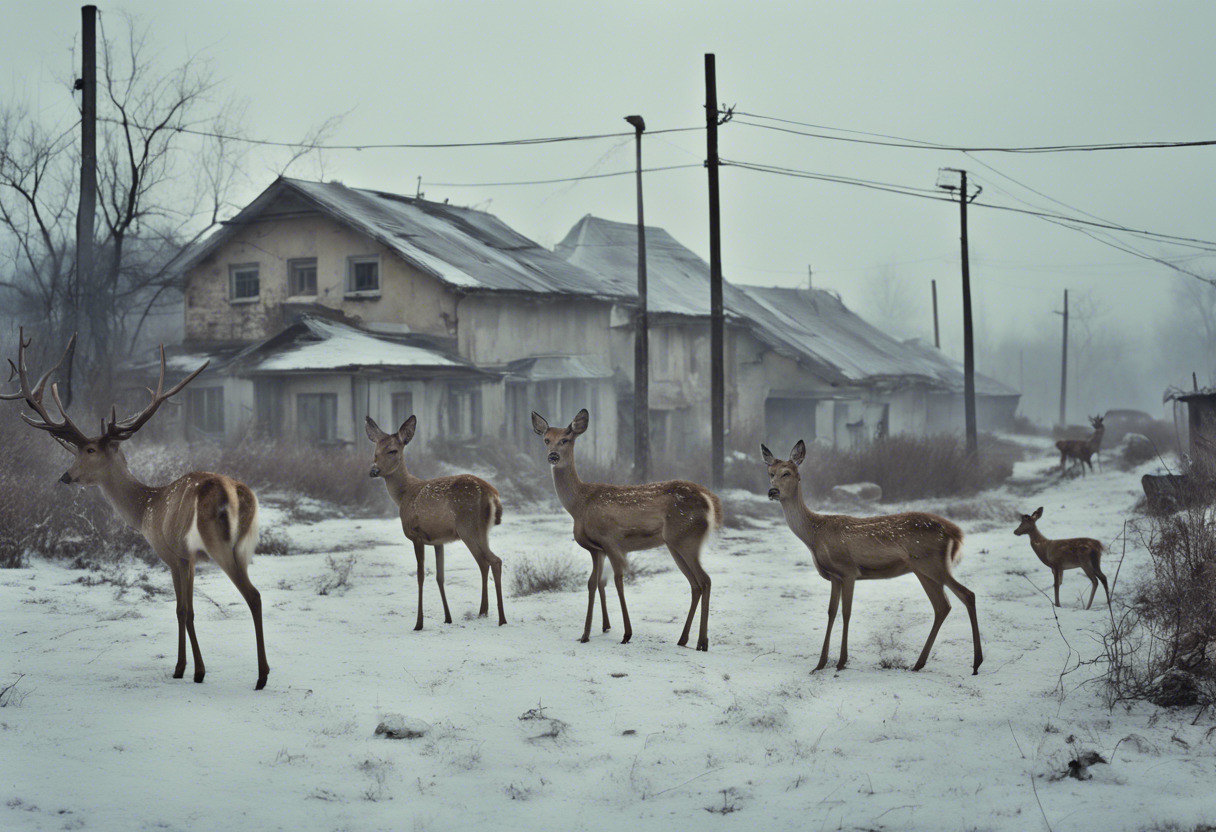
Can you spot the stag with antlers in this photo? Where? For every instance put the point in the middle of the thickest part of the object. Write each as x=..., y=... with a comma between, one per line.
x=198, y=516
x=1081, y=450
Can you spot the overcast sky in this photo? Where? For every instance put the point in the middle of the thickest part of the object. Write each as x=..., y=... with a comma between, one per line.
x=1016, y=73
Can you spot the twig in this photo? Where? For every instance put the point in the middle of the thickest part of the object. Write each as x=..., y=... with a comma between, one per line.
x=686, y=782
x=1036, y=800
x=1015, y=739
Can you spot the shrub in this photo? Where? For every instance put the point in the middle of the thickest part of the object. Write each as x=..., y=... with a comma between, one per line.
x=552, y=574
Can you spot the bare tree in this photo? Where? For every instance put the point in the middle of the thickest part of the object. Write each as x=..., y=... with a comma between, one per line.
x=888, y=299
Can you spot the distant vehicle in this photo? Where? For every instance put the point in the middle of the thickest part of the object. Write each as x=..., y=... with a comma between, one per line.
x=1119, y=423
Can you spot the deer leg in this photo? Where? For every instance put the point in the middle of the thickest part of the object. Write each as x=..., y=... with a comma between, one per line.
x=1057, y=576
x=496, y=567
x=696, y=593
x=846, y=608
x=420, y=556
x=254, y=599
x=188, y=596
x=968, y=598
x=447, y=615
x=941, y=608
x=597, y=567
x=827, y=636
x=1102, y=578
x=180, y=669
x=604, y=600
x=618, y=577
x=487, y=561
x=484, y=566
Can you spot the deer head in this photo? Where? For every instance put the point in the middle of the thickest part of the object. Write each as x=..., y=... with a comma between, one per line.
x=96, y=455
x=1028, y=521
x=783, y=475
x=1096, y=421
x=560, y=441
x=389, y=446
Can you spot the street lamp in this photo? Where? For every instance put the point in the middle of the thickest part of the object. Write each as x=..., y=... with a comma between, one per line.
x=641, y=337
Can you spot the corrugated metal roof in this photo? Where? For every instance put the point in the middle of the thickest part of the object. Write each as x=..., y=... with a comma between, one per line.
x=813, y=327
x=466, y=249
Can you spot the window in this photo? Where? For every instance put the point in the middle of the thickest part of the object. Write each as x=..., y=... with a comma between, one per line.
x=205, y=410
x=243, y=283
x=317, y=417
x=464, y=412
x=363, y=276
x=403, y=408
x=302, y=277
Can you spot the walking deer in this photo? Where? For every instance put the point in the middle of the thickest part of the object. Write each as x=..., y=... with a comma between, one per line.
x=195, y=517
x=1082, y=553
x=439, y=511
x=613, y=520
x=1081, y=450
x=848, y=549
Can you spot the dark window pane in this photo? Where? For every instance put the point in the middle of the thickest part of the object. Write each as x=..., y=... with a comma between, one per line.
x=365, y=276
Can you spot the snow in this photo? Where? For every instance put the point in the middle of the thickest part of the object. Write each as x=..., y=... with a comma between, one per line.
x=341, y=346
x=528, y=729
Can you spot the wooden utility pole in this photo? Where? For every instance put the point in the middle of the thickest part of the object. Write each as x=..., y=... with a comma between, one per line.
x=968, y=337
x=810, y=278
x=85, y=213
x=1064, y=364
x=717, y=376
x=937, y=334
x=641, y=337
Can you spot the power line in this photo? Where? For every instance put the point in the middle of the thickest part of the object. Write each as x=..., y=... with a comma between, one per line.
x=394, y=145
x=557, y=181
x=917, y=144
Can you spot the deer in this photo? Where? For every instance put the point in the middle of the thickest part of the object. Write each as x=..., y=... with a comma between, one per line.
x=1081, y=450
x=848, y=549
x=613, y=520
x=1082, y=553
x=200, y=516
x=439, y=511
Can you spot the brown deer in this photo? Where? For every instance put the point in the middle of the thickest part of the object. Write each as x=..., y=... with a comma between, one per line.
x=1084, y=553
x=614, y=520
x=193, y=518
x=1080, y=450
x=848, y=549
x=439, y=511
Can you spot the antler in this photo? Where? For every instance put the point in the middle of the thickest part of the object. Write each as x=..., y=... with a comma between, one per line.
x=65, y=433
x=116, y=430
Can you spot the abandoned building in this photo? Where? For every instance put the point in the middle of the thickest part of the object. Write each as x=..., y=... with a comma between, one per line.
x=318, y=304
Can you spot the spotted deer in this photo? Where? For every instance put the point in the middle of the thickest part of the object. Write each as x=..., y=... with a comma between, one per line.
x=439, y=511
x=197, y=517
x=613, y=520
x=848, y=549
x=1082, y=553
x=1081, y=450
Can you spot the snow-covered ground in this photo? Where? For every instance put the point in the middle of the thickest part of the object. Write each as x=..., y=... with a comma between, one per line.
x=640, y=736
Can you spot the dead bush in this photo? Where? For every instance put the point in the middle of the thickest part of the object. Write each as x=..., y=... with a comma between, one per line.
x=336, y=579
x=550, y=574
x=1161, y=645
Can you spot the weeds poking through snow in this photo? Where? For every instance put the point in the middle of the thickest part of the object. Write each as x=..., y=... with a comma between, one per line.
x=337, y=579
x=729, y=806
x=10, y=696
x=551, y=574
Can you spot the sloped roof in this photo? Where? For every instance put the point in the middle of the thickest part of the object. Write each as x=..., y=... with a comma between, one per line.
x=466, y=249
x=812, y=327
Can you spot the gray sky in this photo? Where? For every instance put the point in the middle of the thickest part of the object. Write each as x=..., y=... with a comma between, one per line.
x=994, y=73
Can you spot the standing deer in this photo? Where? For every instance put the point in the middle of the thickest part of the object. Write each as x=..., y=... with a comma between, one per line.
x=614, y=520
x=848, y=549
x=1075, y=552
x=439, y=511
x=198, y=516
x=1080, y=450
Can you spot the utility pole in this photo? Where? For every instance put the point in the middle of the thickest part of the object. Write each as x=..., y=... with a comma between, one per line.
x=717, y=376
x=85, y=213
x=1064, y=364
x=937, y=334
x=641, y=337
x=810, y=278
x=968, y=335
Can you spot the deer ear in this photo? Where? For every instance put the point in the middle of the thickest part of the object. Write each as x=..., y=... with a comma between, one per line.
x=373, y=430
x=539, y=425
x=406, y=433
x=1038, y=512
x=767, y=455
x=799, y=453
x=579, y=426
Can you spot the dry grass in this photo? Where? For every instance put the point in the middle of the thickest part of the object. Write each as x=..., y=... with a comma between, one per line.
x=549, y=574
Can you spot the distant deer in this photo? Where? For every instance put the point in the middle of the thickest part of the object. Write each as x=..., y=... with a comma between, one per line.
x=1080, y=450
x=1084, y=553
x=848, y=549
x=614, y=520
x=439, y=511
x=198, y=516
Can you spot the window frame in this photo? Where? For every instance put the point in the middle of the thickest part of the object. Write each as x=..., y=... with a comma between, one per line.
x=293, y=290
x=323, y=399
x=205, y=402
x=351, y=263
x=399, y=415
x=237, y=268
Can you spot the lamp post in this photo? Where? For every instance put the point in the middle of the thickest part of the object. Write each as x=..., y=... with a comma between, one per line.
x=641, y=337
